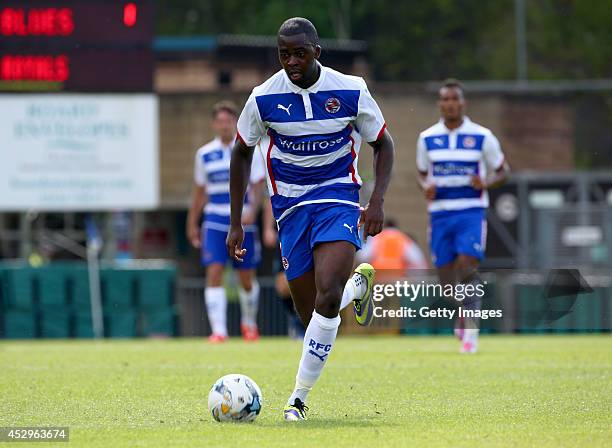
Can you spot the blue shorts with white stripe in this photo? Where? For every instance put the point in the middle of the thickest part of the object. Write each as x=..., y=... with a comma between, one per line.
x=457, y=232
x=312, y=224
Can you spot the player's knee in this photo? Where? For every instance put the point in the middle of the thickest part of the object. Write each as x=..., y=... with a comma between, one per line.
x=213, y=282
x=214, y=276
x=246, y=282
x=447, y=274
x=329, y=310
x=466, y=266
x=328, y=301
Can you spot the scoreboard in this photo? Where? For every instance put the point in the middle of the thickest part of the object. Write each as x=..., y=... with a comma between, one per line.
x=76, y=45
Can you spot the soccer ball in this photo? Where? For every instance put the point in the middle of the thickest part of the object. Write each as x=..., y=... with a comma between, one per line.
x=234, y=397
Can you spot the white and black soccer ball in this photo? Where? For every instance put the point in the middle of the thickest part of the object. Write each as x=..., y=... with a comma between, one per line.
x=235, y=397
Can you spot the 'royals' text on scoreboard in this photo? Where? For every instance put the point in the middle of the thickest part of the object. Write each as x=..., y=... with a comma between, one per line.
x=76, y=45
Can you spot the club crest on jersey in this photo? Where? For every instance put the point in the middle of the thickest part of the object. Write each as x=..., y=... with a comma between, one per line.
x=469, y=142
x=332, y=105
x=285, y=263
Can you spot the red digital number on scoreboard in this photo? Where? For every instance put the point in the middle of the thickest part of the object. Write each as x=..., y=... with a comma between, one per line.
x=36, y=22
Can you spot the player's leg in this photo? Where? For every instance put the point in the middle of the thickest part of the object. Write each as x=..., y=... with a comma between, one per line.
x=214, y=257
x=334, y=223
x=443, y=254
x=470, y=244
x=216, y=302
x=296, y=327
x=447, y=274
x=297, y=260
x=248, y=288
x=442, y=247
x=304, y=292
x=466, y=267
x=333, y=246
x=333, y=263
x=358, y=290
x=248, y=293
x=335, y=229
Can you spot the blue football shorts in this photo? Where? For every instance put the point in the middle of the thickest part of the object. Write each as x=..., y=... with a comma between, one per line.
x=214, y=250
x=460, y=232
x=311, y=224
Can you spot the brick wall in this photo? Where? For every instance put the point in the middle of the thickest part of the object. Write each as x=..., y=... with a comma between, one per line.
x=538, y=133
x=535, y=134
x=184, y=127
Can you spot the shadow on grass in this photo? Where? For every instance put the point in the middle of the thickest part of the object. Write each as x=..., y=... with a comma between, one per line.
x=315, y=422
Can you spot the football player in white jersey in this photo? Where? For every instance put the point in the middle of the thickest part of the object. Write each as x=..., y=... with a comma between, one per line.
x=210, y=194
x=458, y=161
x=311, y=120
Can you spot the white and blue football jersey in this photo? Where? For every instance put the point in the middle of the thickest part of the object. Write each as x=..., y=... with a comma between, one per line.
x=310, y=138
x=211, y=170
x=451, y=157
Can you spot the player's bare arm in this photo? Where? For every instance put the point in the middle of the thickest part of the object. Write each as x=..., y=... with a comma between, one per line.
x=429, y=190
x=373, y=216
x=240, y=171
x=256, y=195
x=270, y=236
x=497, y=179
x=198, y=201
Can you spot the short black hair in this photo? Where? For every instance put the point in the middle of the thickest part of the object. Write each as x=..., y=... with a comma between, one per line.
x=224, y=106
x=453, y=84
x=299, y=25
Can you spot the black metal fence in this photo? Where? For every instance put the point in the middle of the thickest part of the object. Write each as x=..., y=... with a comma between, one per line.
x=193, y=321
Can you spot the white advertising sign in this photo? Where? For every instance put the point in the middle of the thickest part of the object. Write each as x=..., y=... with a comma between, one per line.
x=78, y=152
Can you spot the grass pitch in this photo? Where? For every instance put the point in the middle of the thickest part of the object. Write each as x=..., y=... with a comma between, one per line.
x=375, y=391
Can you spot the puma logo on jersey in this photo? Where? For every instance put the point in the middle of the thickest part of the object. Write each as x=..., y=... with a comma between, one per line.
x=349, y=227
x=286, y=109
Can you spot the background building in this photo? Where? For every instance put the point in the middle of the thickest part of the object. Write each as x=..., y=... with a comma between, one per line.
x=119, y=94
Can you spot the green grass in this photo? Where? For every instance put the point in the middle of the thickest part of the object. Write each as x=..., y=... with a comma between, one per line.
x=385, y=391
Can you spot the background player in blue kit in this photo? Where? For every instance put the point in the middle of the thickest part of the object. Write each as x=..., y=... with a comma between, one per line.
x=458, y=160
x=270, y=240
x=310, y=121
x=211, y=194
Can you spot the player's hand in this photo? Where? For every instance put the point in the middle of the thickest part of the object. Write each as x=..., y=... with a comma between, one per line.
x=234, y=240
x=372, y=218
x=193, y=234
x=477, y=183
x=269, y=237
x=430, y=192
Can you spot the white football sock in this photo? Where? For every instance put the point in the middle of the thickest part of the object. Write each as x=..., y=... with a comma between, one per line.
x=249, y=303
x=470, y=335
x=351, y=292
x=318, y=341
x=216, y=306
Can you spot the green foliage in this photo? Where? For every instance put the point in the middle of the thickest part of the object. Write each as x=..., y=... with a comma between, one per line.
x=256, y=17
x=415, y=40
x=570, y=39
